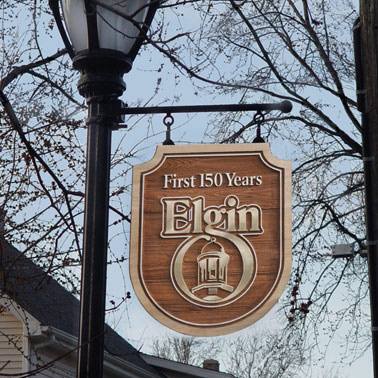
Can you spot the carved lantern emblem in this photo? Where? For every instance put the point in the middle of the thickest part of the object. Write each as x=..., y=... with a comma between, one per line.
x=210, y=235
x=212, y=271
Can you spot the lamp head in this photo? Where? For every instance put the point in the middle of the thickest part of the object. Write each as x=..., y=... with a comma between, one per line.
x=103, y=38
x=114, y=27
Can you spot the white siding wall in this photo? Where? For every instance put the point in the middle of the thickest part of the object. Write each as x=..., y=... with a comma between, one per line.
x=11, y=342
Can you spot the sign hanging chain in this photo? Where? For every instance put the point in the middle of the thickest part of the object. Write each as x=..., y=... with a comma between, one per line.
x=258, y=119
x=168, y=121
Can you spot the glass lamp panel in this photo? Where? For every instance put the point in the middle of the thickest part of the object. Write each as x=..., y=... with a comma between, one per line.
x=76, y=23
x=116, y=32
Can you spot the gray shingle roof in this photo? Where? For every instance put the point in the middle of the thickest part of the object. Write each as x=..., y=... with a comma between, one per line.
x=51, y=304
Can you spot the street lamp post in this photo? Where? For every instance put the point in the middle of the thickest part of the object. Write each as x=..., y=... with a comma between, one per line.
x=102, y=40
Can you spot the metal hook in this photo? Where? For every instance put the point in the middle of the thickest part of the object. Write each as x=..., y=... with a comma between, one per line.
x=168, y=122
x=259, y=119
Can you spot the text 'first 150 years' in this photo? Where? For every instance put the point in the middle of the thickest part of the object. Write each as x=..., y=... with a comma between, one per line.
x=209, y=179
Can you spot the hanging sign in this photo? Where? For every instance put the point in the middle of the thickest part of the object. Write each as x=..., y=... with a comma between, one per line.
x=210, y=235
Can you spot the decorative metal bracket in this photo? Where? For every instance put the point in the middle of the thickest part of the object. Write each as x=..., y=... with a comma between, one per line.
x=284, y=106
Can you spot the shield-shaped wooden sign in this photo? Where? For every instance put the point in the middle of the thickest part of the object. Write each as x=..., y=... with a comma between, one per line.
x=210, y=235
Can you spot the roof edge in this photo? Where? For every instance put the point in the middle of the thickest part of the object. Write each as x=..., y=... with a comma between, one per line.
x=112, y=364
x=195, y=371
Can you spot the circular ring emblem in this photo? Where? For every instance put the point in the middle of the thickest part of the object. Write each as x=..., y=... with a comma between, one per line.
x=213, y=266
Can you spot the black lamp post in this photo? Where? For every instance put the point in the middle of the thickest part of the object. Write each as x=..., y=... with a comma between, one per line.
x=102, y=38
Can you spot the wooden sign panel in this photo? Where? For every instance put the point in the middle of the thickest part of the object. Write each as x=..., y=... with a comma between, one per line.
x=210, y=235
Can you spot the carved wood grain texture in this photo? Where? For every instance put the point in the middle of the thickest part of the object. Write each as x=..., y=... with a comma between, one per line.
x=152, y=256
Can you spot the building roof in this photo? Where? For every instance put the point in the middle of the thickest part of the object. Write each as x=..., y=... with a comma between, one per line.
x=42, y=297
x=186, y=370
x=51, y=304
